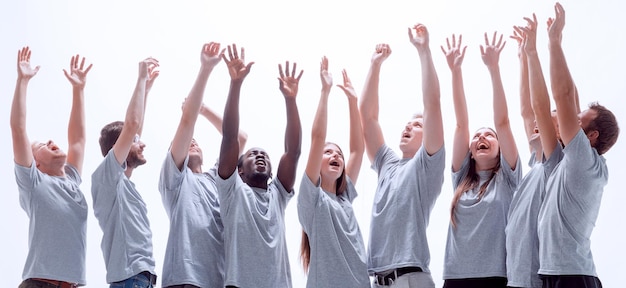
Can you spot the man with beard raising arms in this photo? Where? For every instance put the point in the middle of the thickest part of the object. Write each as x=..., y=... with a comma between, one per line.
x=120, y=210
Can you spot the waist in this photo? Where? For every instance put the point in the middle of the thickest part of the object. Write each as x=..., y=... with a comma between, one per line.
x=390, y=276
x=54, y=283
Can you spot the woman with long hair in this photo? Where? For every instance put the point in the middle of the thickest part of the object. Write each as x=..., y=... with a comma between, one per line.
x=332, y=248
x=485, y=174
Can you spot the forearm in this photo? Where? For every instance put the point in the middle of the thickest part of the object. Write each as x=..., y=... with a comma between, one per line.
x=293, y=131
x=369, y=101
x=458, y=97
x=76, y=126
x=136, y=107
x=230, y=126
x=18, y=106
x=500, y=109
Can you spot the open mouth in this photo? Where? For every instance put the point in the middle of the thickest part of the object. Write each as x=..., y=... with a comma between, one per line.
x=482, y=146
x=260, y=162
x=334, y=163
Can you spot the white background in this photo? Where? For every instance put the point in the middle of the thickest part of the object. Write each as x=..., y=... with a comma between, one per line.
x=116, y=35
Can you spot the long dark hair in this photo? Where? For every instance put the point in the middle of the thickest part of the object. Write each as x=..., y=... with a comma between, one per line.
x=470, y=182
x=341, y=185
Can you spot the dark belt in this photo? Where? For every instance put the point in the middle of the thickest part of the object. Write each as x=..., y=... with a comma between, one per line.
x=55, y=283
x=151, y=277
x=395, y=274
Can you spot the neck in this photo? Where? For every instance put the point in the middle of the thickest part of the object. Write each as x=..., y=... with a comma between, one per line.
x=328, y=186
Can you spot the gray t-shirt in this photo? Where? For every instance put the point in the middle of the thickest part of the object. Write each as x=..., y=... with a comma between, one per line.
x=254, y=233
x=570, y=209
x=57, y=230
x=127, y=239
x=405, y=196
x=334, y=237
x=195, y=246
x=476, y=247
x=522, y=243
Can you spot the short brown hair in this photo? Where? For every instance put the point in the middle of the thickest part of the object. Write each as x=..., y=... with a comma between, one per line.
x=606, y=125
x=109, y=135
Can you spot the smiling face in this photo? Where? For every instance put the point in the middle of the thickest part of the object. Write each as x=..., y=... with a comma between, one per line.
x=195, y=154
x=135, y=156
x=255, y=168
x=333, y=164
x=484, y=145
x=411, y=136
x=48, y=155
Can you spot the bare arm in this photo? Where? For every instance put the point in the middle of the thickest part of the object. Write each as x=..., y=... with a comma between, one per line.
x=216, y=120
x=433, y=120
x=288, y=85
x=357, y=146
x=528, y=117
x=319, y=127
x=135, y=110
x=454, y=56
x=76, y=128
x=538, y=89
x=238, y=70
x=563, y=89
x=369, y=107
x=22, y=152
x=491, y=55
x=209, y=58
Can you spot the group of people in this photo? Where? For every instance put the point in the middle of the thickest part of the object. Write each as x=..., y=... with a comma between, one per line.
x=227, y=226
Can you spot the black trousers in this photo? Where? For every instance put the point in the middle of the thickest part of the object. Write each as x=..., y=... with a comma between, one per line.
x=487, y=282
x=570, y=281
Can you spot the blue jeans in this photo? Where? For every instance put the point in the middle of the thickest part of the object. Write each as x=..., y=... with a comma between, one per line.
x=137, y=281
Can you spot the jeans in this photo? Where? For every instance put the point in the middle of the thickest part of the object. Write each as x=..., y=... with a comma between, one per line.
x=137, y=281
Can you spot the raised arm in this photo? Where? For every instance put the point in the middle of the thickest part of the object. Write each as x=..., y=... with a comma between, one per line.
x=229, y=150
x=216, y=120
x=135, y=111
x=22, y=152
x=369, y=107
x=320, y=124
x=76, y=135
x=454, y=56
x=538, y=90
x=357, y=146
x=433, y=120
x=526, y=109
x=288, y=85
x=491, y=56
x=563, y=89
x=209, y=58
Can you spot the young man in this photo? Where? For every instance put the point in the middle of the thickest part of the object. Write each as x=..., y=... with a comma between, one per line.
x=252, y=207
x=118, y=206
x=194, y=256
x=574, y=189
x=48, y=180
x=408, y=186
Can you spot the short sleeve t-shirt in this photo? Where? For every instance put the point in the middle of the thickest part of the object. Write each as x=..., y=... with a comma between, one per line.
x=334, y=237
x=479, y=235
x=57, y=230
x=195, y=246
x=123, y=217
x=522, y=243
x=570, y=209
x=407, y=189
x=254, y=233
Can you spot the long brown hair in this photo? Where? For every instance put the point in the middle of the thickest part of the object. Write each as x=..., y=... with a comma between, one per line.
x=341, y=185
x=470, y=182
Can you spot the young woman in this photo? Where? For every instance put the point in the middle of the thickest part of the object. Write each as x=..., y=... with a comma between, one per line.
x=332, y=247
x=485, y=174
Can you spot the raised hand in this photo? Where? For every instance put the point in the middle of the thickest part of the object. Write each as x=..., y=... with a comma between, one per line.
x=347, y=86
x=420, y=39
x=518, y=36
x=237, y=67
x=211, y=54
x=325, y=76
x=152, y=72
x=288, y=83
x=530, y=34
x=24, y=71
x=381, y=53
x=77, y=74
x=455, y=54
x=556, y=24
x=491, y=51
